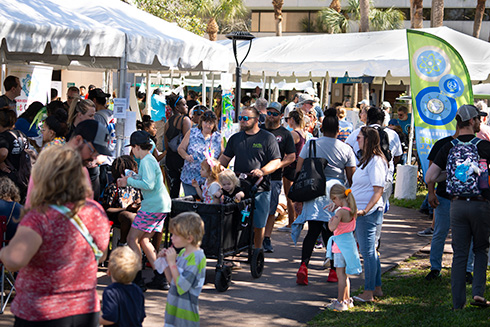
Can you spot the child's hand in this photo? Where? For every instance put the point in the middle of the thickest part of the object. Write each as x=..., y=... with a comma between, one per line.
x=162, y=253
x=195, y=183
x=330, y=207
x=239, y=196
x=171, y=256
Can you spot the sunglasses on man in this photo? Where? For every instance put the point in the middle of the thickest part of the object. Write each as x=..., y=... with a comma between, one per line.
x=245, y=118
x=271, y=113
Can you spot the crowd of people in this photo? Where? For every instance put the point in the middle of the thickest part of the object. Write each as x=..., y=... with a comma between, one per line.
x=59, y=161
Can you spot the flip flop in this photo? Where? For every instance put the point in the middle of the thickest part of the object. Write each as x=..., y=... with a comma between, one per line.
x=359, y=299
x=480, y=303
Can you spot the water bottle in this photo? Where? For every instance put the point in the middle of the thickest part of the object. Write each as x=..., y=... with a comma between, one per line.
x=483, y=178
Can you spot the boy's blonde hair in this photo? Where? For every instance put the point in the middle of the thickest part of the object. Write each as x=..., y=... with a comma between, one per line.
x=341, y=193
x=215, y=170
x=228, y=175
x=8, y=190
x=124, y=264
x=59, y=178
x=188, y=224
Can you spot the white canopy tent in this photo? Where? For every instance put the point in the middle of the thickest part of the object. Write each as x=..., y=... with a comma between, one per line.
x=378, y=54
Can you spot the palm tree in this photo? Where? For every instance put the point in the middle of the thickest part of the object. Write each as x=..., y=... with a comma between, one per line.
x=335, y=5
x=416, y=13
x=437, y=13
x=331, y=21
x=278, y=15
x=226, y=11
x=480, y=10
x=364, y=13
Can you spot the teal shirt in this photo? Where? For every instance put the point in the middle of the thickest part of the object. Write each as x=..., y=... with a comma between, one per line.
x=155, y=195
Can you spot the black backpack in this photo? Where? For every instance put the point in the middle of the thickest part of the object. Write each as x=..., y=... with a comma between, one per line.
x=20, y=175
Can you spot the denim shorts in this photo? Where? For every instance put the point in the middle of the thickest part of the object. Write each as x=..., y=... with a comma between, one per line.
x=262, y=205
x=276, y=187
x=338, y=260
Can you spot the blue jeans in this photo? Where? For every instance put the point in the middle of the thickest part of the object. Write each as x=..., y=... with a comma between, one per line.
x=366, y=227
x=469, y=219
x=426, y=205
x=189, y=189
x=442, y=223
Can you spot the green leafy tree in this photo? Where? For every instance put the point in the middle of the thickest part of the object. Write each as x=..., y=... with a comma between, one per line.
x=332, y=21
x=223, y=16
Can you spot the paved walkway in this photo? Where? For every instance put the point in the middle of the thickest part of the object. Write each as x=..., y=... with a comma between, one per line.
x=275, y=299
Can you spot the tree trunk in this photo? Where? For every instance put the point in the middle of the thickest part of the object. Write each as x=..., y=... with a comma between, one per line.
x=480, y=10
x=335, y=5
x=212, y=29
x=364, y=10
x=278, y=15
x=437, y=13
x=365, y=91
x=416, y=14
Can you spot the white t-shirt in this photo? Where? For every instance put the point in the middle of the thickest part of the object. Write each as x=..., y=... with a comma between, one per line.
x=374, y=174
x=338, y=154
x=395, y=145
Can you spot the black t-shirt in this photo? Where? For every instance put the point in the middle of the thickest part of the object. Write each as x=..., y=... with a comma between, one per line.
x=9, y=142
x=230, y=197
x=124, y=305
x=441, y=186
x=253, y=152
x=483, y=151
x=286, y=146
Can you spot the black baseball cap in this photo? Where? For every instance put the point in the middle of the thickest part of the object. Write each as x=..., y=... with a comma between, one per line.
x=138, y=138
x=97, y=93
x=96, y=133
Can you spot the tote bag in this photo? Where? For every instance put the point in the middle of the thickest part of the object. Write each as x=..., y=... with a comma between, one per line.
x=310, y=182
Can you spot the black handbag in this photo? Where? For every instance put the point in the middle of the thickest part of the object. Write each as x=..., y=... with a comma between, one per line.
x=310, y=182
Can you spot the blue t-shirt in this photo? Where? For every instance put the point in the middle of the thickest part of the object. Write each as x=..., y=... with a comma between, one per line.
x=405, y=124
x=157, y=110
x=6, y=211
x=123, y=304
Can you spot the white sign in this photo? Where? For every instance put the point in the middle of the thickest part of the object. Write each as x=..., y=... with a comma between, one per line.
x=120, y=106
x=36, y=85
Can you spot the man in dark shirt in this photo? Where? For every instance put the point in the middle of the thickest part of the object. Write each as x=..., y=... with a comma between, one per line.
x=256, y=153
x=13, y=88
x=468, y=215
x=288, y=154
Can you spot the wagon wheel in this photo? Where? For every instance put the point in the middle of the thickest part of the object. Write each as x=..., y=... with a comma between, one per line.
x=257, y=263
x=222, y=278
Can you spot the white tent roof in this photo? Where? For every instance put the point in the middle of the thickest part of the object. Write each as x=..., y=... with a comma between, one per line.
x=93, y=33
x=371, y=54
x=153, y=43
x=38, y=30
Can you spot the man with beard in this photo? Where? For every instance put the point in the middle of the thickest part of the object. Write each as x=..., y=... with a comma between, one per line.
x=470, y=204
x=256, y=154
x=90, y=139
x=288, y=154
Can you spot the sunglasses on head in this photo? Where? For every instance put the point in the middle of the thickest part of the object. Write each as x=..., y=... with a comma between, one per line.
x=209, y=114
x=245, y=118
x=198, y=111
x=271, y=113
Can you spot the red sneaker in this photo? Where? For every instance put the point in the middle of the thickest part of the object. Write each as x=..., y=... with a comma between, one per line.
x=302, y=275
x=332, y=276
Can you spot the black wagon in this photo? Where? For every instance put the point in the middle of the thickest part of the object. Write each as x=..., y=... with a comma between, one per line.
x=228, y=232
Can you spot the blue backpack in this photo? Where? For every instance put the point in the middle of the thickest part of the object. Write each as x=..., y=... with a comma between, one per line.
x=461, y=178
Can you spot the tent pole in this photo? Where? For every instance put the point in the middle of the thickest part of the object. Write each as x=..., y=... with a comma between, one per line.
x=203, y=88
x=382, y=91
x=211, y=94
x=328, y=89
x=123, y=68
x=270, y=86
x=264, y=83
x=322, y=93
x=148, y=90
x=411, y=134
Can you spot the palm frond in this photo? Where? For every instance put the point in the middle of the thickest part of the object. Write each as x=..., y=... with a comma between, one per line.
x=330, y=21
x=388, y=19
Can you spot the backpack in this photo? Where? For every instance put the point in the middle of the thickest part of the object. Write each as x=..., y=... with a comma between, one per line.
x=20, y=175
x=384, y=142
x=462, y=179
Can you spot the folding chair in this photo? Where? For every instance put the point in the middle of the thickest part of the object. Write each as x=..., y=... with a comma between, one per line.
x=7, y=277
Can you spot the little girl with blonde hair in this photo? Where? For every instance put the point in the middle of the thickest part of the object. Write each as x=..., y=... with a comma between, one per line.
x=210, y=191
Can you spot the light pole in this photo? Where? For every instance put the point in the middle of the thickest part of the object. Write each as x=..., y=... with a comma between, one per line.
x=234, y=36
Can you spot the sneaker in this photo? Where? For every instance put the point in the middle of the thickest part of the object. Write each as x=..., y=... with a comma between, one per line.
x=318, y=244
x=159, y=282
x=338, y=306
x=284, y=229
x=434, y=274
x=349, y=302
x=426, y=232
x=302, y=275
x=267, y=245
x=332, y=276
x=469, y=278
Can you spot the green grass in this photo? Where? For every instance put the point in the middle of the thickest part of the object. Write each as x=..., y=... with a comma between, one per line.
x=412, y=204
x=409, y=300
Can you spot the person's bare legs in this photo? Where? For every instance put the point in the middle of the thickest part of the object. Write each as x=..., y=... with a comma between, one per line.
x=157, y=240
x=291, y=212
x=134, y=241
x=148, y=248
x=271, y=219
x=343, y=284
x=125, y=219
x=258, y=237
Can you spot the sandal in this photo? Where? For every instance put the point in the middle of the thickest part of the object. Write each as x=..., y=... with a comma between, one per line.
x=480, y=303
x=232, y=265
